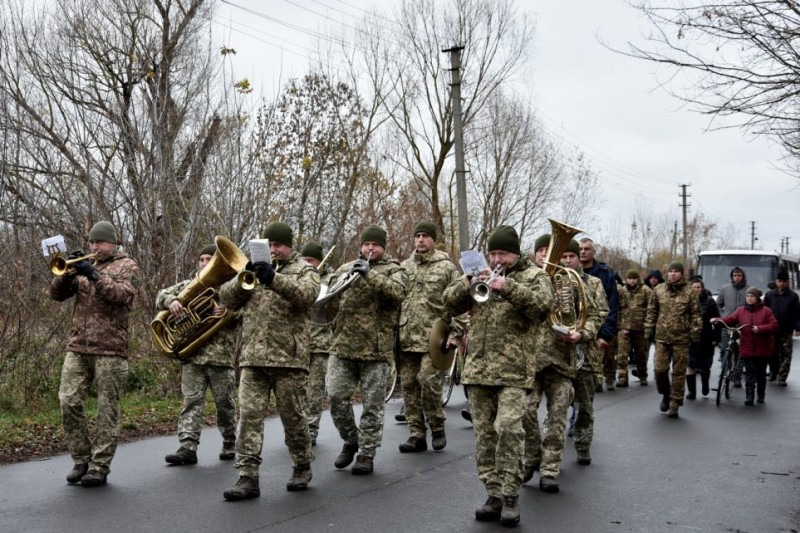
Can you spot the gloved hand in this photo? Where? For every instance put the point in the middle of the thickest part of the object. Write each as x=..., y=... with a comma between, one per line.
x=76, y=254
x=694, y=338
x=264, y=272
x=649, y=334
x=85, y=268
x=361, y=266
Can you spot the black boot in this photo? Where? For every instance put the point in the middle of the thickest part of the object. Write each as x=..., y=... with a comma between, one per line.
x=761, y=385
x=691, y=384
x=704, y=377
x=749, y=393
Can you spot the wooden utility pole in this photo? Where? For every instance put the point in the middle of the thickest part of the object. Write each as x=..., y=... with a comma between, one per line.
x=685, y=205
x=458, y=140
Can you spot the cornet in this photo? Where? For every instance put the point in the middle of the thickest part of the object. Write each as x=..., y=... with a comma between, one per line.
x=60, y=266
x=481, y=290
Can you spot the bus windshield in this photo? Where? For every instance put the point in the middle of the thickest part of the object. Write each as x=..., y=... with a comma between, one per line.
x=759, y=270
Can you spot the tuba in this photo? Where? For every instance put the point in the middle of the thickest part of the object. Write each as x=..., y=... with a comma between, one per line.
x=569, y=314
x=179, y=337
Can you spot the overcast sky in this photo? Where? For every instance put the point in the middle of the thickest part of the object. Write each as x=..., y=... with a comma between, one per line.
x=642, y=142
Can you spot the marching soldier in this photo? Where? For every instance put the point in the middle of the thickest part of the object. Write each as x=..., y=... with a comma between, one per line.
x=274, y=357
x=633, y=301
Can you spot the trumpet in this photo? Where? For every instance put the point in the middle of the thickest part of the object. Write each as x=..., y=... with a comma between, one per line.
x=481, y=290
x=60, y=266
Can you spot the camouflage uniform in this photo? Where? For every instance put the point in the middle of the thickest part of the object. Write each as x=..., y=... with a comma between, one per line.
x=585, y=377
x=555, y=371
x=361, y=350
x=97, y=349
x=211, y=366
x=318, y=366
x=500, y=367
x=674, y=312
x=274, y=357
x=428, y=276
x=632, y=312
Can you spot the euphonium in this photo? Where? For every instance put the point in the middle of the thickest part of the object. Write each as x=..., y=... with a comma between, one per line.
x=60, y=266
x=481, y=290
x=180, y=336
x=570, y=313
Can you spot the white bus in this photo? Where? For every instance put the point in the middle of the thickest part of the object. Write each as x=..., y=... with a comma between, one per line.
x=760, y=268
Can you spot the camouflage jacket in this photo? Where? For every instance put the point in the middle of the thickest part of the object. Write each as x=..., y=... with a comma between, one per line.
x=551, y=351
x=274, y=325
x=428, y=276
x=674, y=312
x=502, y=349
x=321, y=333
x=596, y=293
x=369, y=311
x=633, y=307
x=220, y=349
x=100, y=317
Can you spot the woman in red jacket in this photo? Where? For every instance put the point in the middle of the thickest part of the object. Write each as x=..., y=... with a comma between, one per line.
x=756, y=344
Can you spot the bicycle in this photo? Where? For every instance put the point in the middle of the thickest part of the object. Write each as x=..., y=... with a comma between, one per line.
x=730, y=360
x=452, y=377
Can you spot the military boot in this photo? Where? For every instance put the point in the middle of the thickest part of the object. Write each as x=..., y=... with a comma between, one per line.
x=664, y=405
x=509, y=516
x=246, y=487
x=301, y=477
x=528, y=471
x=691, y=385
x=363, y=466
x=489, y=510
x=414, y=444
x=584, y=458
x=184, y=456
x=228, y=450
x=704, y=377
x=548, y=484
x=438, y=440
x=673, y=412
x=347, y=455
x=93, y=478
x=77, y=472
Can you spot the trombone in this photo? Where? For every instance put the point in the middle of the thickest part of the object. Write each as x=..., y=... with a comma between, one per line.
x=481, y=290
x=60, y=266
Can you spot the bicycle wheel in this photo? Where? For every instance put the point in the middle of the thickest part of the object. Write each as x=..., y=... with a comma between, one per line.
x=448, y=381
x=724, y=385
x=392, y=381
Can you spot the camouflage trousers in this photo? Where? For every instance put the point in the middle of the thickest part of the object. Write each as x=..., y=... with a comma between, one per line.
x=547, y=452
x=497, y=414
x=289, y=385
x=584, y=408
x=783, y=350
x=344, y=376
x=110, y=374
x=317, y=369
x=678, y=356
x=636, y=344
x=195, y=379
x=609, y=361
x=422, y=393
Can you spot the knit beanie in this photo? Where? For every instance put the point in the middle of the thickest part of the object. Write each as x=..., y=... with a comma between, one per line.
x=783, y=275
x=504, y=238
x=542, y=241
x=374, y=233
x=312, y=249
x=573, y=247
x=208, y=250
x=755, y=291
x=427, y=227
x=676, y=265
x=103, y=231
x=632, y=274
x=279, y=232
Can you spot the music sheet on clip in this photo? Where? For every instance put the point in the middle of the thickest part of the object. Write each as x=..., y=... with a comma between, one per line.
x=473, y=262
x=259, y=251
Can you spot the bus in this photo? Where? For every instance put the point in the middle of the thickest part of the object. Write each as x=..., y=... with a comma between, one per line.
x=760, y=268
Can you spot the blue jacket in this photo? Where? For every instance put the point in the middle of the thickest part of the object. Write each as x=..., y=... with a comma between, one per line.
x=600, y=270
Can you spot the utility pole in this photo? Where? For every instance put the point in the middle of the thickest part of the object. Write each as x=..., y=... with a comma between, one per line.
x=684, y=206
x=787, y=244
x=458, y=141
x=753, y=237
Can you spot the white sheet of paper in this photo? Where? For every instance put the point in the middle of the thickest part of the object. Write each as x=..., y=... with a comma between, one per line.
x=54, y=245
x=259, y=251
x=473, y=262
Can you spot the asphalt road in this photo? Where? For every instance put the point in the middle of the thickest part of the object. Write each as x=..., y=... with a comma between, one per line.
x=730, y=469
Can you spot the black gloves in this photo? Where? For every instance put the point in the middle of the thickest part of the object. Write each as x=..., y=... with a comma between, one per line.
x=361, y=266
x=264, y=272
x=85, y=268
x=76, y=254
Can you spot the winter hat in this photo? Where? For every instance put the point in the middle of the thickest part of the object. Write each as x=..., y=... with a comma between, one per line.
x=208, y=250
x=574, y=247
x=374, y=233
x=312, y=249
x=783, y=275
x=427, y=227
x=676, y=265
x=279, y=232
x=632, y=274
x=542, y=241
x=755, y=291
x=504, y=238
x=103, y=231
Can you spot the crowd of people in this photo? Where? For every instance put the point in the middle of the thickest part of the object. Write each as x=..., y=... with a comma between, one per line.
x=555, y=326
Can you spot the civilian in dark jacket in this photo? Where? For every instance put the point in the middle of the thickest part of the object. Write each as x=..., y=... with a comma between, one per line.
x=654, y=278
x=701, y=354
x=785, y=305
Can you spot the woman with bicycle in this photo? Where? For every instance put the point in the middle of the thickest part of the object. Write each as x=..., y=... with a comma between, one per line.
x=757, y=341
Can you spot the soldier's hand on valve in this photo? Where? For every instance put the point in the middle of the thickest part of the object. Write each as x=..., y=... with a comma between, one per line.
x=361, y=266
x=264, y=272
x=86, y=269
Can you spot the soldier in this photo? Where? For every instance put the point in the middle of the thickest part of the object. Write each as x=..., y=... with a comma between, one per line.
x=97, y=349
x=212, y=365
x=362, y=348
x=274, y=357
x=500, y=366
x=556, y=358
x=674, y=320
x=633, y=301
x=320, y=342
x=584, y=383
x=429, y=271
x=785, y=305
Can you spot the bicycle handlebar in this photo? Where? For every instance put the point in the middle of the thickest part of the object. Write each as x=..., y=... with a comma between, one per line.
x=732, y=328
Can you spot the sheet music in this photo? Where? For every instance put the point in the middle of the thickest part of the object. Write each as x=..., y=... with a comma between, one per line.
x=473, y=262
x=54, y=245
x=259, y=251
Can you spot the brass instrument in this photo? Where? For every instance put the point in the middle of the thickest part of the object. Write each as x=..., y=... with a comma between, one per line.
x=481, y=290
x=570, y=314
x=60, y=266
x=179, y=337
x=327, y=294
x=324, y=259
